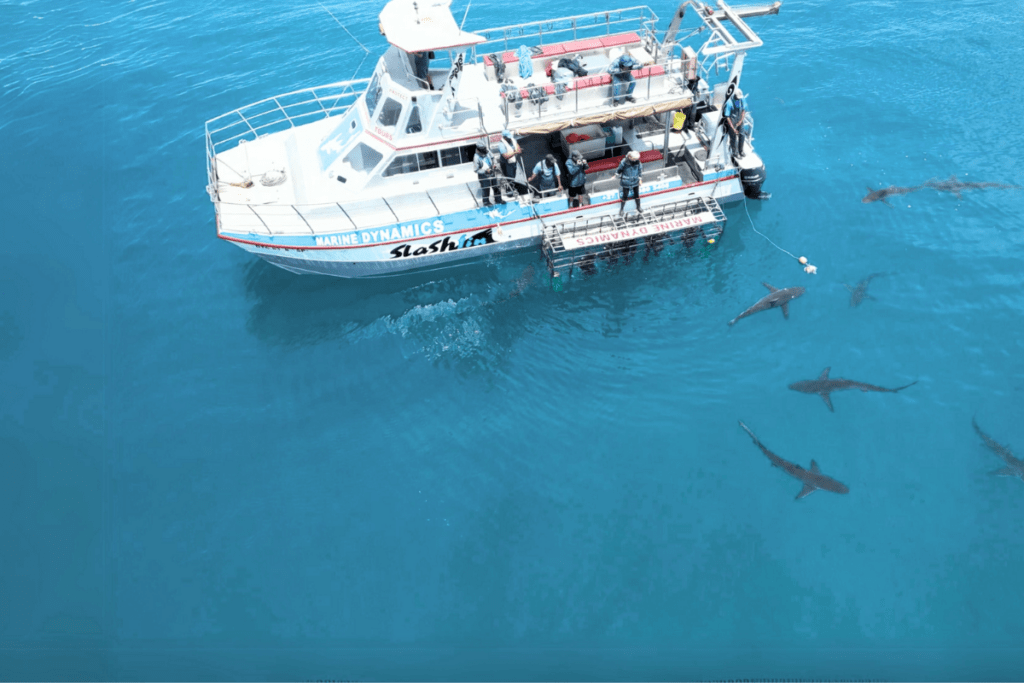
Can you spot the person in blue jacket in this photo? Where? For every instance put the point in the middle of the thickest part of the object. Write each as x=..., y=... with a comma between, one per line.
x=621, y=70
x=550, y=176
x=629, y=173
x=577, y=166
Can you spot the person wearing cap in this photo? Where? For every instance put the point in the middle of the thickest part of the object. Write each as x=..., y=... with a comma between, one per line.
x=550, y=176
x=576, y=166
x=484, y=169
x=621, y=70
x=629, y=173
x=735, y=115
x=510, y=154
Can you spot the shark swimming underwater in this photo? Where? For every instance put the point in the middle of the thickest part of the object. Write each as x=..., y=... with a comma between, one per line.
x=823, y=386
x=860, y=291
x=954, y=186
x=1014, y=466
x=776, y=298
x=886, y=192
x=812, y=479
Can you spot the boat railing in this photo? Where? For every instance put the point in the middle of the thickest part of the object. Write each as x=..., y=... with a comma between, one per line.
x=670, y=66
x=339, y=217
x=536, y=33
x=330, y=218
x=275, y=114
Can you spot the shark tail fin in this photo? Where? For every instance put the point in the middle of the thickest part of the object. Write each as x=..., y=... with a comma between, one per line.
x=805, y=491
x=904, y=386
x=770, y=288
x=1004, y=472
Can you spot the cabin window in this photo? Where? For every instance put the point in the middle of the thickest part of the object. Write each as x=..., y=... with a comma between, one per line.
x=373, y=95
x=457, y=155
x=363, y=158
x=389, y=113
x=411, y=163
x=414, y=125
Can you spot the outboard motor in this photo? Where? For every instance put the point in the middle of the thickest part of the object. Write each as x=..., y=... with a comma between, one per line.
x=752, y=175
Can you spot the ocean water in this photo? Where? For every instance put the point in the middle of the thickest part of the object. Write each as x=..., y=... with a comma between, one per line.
x=211, y=468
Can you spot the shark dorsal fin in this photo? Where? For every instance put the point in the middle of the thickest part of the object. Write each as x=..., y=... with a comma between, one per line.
x=805, y=491
x=824, y=373
x=815, y=468
x=770, y=288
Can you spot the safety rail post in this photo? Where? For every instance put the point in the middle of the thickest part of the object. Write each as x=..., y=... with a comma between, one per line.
x=345, y=213
x=311, y=230
x=269, y=231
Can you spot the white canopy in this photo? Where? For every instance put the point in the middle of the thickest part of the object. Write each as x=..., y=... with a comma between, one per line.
x=422, y=25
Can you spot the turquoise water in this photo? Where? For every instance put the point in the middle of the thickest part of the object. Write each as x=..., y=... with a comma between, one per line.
x=214, y=469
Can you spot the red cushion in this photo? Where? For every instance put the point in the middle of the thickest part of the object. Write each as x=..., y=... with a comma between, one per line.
x=644, y=72
x=553, y=50
x=581, y=45
x=619, y=39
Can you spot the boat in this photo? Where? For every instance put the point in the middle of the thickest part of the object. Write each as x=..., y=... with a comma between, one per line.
x=375, y=176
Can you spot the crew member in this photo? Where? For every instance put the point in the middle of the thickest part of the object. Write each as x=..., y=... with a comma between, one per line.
x=511, y=152
x=735, y=116
x=550, y=176
x=621, y=70
x=484, y=169
x=576, y=166
x=421, y=64
x=629, y=173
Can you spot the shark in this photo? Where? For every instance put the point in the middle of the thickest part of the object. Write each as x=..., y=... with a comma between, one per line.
x=812, y=479
x=776, y=298
x=860, y=291
x=956, y=187
x=823, y=386
x=1014, y=466
x=886, y=192
x=522, y=282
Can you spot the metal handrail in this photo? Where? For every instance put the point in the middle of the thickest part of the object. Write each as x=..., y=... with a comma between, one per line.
x=580, y=26
x=281, y=112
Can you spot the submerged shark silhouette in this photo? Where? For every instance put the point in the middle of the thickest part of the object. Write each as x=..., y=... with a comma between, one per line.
x=776, y=298
x=812, y=479
x=954, y=186
x=860, y=292
x=823, y=386
x=1014, y=466
x=886, y=192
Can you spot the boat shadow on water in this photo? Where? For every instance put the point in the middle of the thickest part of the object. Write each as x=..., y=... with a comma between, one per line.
x=474, y=313
x=469, y=312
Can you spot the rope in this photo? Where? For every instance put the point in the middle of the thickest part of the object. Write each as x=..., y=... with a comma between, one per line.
x=802, y=260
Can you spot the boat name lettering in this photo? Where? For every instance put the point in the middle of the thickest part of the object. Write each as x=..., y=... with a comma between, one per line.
x=400, y=232
x=383, y=133
x=642, y=231
x=447, y=244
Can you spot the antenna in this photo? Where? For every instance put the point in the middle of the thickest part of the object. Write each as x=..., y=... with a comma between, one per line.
x=464, y=16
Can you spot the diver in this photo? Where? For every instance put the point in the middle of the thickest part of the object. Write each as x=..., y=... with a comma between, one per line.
x=484, y=169
x=550, y=176
x=735, y=116
x=511, y=153
x=629, y=172
x=577, y=166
